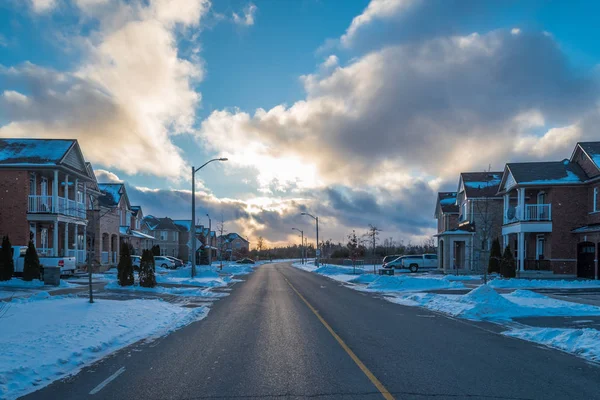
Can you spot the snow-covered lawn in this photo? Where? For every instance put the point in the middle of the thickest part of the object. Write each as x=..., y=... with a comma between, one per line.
x=179, y=291
x=543, y=283
x=17, y=287
x=582, y=342
x=45, y=338
x=484, y=303
x=205, y=277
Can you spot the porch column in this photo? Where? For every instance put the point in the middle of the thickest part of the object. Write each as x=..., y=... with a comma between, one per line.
x=521, y=203
x=504, y=242
x=506, y=206
x=55, y=239
x=66, y=245
x=76, y=242
x=67, y=187
x=55, y=193
x=85, y=256
x=521, y=251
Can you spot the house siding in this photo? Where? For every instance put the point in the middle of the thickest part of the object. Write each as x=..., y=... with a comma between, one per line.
x=14, y=192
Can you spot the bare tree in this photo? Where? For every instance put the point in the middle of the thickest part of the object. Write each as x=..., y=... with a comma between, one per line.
x=353, y=248
x=260, y=245
x=222, y=244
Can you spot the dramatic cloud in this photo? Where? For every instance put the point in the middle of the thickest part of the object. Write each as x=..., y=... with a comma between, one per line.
x=247, y=17
x=131, y=91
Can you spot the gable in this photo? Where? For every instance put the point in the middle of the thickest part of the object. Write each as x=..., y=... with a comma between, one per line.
x=590, y=163
x=510, y=181
x=74, y=159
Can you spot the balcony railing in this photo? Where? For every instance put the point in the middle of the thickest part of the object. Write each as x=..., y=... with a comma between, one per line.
x=538, y=265
x=531, y=212
x=44, y=205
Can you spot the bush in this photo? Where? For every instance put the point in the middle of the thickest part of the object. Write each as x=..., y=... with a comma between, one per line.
x=125, y=267
x=147, y=277
x=156, y=250
x=495, y=257
x=507, y=264
x=7, y=267
x=31, y=266
x=203, y=257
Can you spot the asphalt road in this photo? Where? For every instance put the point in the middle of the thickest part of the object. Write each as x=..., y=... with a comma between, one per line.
x=263, y=341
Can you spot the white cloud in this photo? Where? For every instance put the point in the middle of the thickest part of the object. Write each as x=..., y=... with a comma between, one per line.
x=515, y=31
x=104, y=176
x=331, y=61
x=129, y=94
x=552, y=144
x=43, y=6
x=376, y=10
x=246, y=18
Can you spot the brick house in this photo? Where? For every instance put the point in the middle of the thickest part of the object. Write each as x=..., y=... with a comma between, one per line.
x=165, y=233
x=233, y=246
x=202, y=240
x=46, y=188
x=133, y=234
x=551, y=214
x=468, y=221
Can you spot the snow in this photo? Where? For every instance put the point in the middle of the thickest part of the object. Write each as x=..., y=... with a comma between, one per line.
x=484, y=303
x=542, y=283
x=568, y=178
x=582, y=342
x=34, y=284
x=46, y=338
x=205, y=277
x=338, y=270
x=38, y=151
x=179, y=291
x=410, y=283
x=448, y=201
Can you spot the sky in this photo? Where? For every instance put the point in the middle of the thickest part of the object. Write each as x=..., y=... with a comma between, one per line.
x=358, y=111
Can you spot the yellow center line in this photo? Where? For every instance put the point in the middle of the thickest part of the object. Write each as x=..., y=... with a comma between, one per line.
x=384, y=392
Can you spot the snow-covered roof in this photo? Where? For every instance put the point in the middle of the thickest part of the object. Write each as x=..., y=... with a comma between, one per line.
x=447, y=201
x=164, y=223
x=547, y=173
x=592, y=149
x=141, y=235
x=124, y=231
x=111, y=194
x=135, y=210
x=232, y=236
x=34, y=151
x=454, y=232
x=480, y=184
x=587, y=228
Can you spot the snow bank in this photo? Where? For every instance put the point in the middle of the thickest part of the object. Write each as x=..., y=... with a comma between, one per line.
x=582, y=342
x=338, y=270
x=484, y=303
x=541, y=283
x=310, y=267
x=364, y=279
x=180, y=291
x=45, y=338
x=410, y=283
x=205, y=277
x=34, y=284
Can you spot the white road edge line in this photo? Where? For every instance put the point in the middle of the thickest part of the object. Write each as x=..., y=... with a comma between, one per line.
x=107, y=381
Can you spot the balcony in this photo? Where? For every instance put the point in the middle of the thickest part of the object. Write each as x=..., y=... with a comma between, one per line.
x=530, y=213
x=64, y=206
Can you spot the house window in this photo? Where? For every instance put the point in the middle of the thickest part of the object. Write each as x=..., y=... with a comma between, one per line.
x=79, y=196
x=463, y=216
x=163, y=235
x=595, y=200
x=32, y=188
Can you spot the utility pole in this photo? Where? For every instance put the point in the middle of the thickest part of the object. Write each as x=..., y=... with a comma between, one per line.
x=193, y=224
x=301, y=243
x=209, y=241
x=318, y=251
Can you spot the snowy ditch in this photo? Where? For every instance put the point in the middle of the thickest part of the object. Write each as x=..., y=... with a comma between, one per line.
x=484, y=303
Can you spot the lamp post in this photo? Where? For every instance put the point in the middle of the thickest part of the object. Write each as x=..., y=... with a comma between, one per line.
x=318, y=252
x=193, y=225
x=209, y=241
x=301, y=243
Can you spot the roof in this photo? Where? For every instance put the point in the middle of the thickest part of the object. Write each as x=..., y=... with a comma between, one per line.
x=587, y=228
x=124, y=231
x=111, y=194
x=481, y=184
x=155, y=223
x=456, y=231
x=183, y=224
x=592, y=149
x=34, y=151
x=447, y=201
x=547, y=173
x=135, y=209
x=232, y=236
x=141, y=235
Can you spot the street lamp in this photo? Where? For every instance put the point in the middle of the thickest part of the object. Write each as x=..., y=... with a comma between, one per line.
x=193, y=225
x=210, y=241
x=318, y=252
x=301, y=243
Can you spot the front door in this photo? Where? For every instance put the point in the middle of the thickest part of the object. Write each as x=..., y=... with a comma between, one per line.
x=586, y=252
x=459, y=255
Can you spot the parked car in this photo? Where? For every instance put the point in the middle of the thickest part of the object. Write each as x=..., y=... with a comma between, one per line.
x=67, y=264
x=395, y=263
x=245, y=261
x=420, y=261
x=164, y=262
x=136, y=260
x=387, y=259
x=177, y=261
